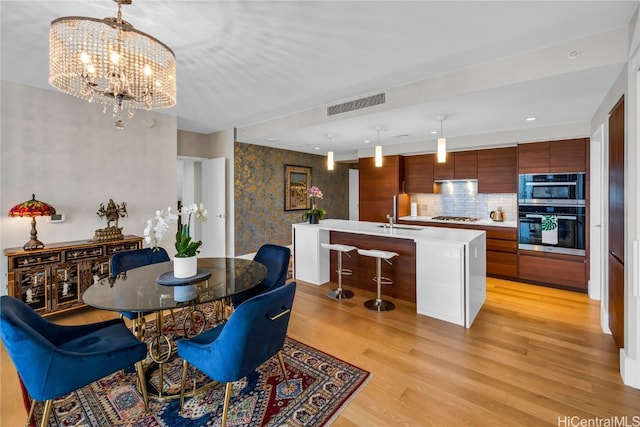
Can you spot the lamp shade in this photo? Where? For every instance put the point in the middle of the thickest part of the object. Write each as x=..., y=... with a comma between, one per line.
x=32, y=208
x=330, y=160
x=378, y=156
x=442, y=150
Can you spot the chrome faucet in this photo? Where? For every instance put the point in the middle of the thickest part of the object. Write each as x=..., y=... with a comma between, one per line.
x=392, y=220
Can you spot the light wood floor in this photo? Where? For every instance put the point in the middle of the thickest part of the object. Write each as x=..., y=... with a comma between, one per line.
x=534, y=356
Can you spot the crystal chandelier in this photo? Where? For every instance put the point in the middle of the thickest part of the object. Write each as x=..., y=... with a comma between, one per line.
x=109, y=62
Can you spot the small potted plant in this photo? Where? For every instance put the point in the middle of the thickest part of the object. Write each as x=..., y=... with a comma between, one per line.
x=186, y=249
x=315, y=214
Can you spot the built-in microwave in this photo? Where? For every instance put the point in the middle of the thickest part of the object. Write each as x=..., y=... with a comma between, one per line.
x=560, y=189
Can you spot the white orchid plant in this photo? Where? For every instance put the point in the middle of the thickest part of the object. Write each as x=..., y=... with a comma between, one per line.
x=158, y=226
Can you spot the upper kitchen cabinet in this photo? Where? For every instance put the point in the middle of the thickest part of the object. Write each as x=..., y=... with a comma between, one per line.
x=466, y=165
x=460, y=165
x=418, y=173
x=498, y=170
x=378, y=186
x=569, y=155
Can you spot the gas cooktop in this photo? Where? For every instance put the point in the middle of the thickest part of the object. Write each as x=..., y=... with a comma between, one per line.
x=455, y=218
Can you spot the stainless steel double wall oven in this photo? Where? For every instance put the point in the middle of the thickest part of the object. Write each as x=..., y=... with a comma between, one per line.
x=551, y=213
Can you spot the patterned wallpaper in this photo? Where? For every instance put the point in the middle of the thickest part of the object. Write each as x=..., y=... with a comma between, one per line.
x=259, y=194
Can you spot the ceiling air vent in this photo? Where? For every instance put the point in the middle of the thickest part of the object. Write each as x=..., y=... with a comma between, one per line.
x=357, y=104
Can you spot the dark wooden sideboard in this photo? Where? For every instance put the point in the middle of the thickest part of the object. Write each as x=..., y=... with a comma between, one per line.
x=52, y=280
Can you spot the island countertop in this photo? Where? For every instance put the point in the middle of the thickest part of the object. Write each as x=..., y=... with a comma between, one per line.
x=402, y=231
x=441, y=269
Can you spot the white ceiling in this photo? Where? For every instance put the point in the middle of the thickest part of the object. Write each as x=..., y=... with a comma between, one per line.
x=271, y=68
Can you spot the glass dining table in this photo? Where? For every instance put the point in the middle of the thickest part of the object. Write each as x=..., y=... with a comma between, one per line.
x=153, y=289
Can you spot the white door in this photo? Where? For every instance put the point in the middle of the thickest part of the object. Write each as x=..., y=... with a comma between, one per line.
x=354, y=185
x=213, y=199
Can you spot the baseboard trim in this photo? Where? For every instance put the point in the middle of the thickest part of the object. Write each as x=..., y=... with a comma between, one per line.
x=629, y=370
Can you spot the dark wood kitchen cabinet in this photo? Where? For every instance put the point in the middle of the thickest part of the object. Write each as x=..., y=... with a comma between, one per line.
x=378, y=186
x=465, y=165
x=502, y=246
x=459, y=165
x=568, y=155
x=498, y=170
x=557, y=270
x=418, y=173
x=446, y=170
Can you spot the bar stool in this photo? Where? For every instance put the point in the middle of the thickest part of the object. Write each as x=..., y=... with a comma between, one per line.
x=379, y=304
x=341, y=249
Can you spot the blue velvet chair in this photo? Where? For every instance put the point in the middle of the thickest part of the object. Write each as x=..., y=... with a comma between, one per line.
x=53, y=360
x=276, y=259
x=254, y=333
x=128, y=260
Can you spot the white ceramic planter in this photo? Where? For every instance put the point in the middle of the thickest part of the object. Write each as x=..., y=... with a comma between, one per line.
x=185, y=267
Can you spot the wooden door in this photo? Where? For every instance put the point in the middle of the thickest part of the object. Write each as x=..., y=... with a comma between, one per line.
x=616, y=222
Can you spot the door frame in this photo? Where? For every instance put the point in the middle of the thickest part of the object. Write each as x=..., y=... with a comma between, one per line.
x=597, y=286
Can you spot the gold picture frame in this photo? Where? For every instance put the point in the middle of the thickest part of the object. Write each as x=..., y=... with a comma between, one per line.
x=296, y=181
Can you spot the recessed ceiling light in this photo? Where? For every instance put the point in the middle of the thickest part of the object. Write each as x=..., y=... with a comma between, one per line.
x=272, y=139
x=317, y=148
x=574, y=54
x=530, y=119
x=366, y=141
x=434, y=132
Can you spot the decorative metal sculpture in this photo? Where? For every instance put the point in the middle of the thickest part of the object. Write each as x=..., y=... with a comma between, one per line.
x=113, y=213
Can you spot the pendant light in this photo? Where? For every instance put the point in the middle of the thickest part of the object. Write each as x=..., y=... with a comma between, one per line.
x=442, y=142
x=378, y=157
x=330, y=153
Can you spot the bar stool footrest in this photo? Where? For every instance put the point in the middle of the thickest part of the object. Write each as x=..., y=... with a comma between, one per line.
x=383, y=280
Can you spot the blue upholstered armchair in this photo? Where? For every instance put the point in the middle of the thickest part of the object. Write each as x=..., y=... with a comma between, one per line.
x=128, y=260
x=253, y=334
x=53, y=360
x=276, y=259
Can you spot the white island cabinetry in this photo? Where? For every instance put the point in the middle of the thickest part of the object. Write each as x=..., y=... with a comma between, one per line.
x=450, y=270
x=311, y=260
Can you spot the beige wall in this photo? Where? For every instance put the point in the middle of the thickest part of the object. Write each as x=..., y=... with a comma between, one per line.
x=68, y=153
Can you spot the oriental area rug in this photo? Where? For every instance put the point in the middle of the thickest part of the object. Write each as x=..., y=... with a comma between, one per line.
x=319, y=387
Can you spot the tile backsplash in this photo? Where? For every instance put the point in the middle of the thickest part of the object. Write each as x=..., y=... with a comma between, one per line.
x=461, y=198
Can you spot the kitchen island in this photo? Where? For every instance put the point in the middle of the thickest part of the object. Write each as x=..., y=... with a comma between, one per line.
x=442, y=270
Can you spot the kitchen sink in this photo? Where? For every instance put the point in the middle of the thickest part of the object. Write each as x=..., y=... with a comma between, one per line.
x=401, y=227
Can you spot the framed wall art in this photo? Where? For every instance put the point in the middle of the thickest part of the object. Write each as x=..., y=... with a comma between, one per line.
x=296, y=181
